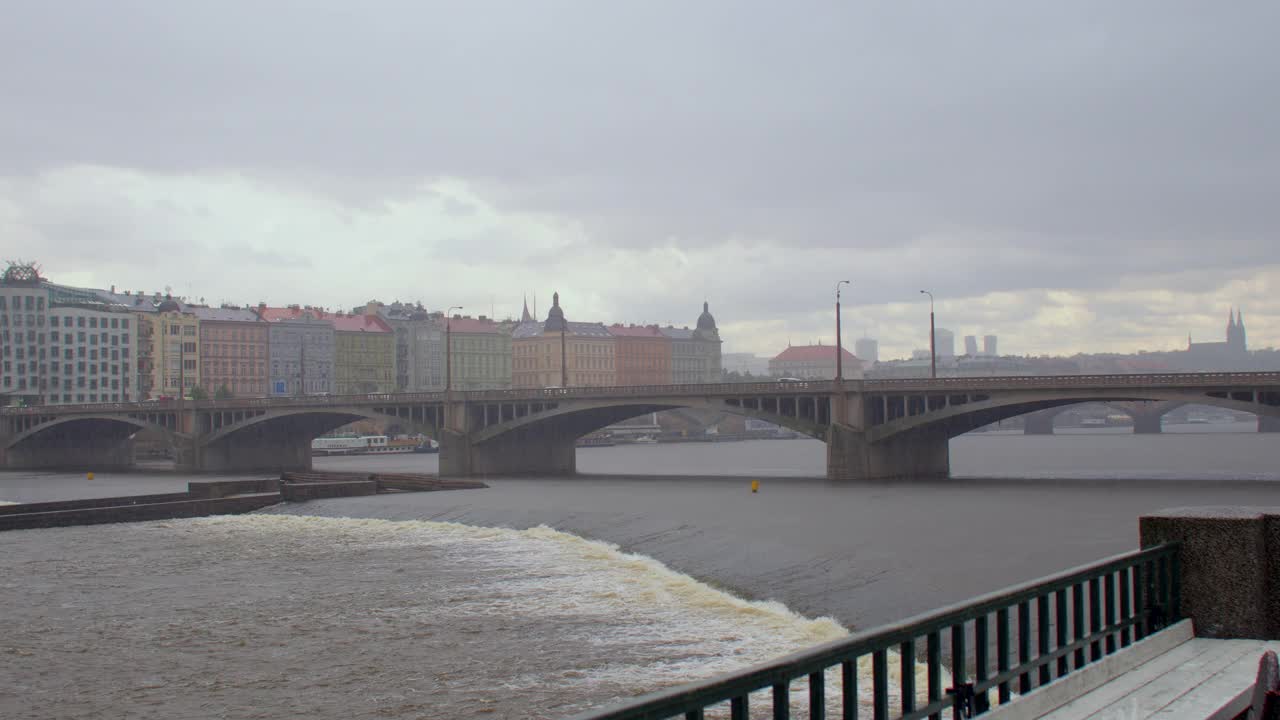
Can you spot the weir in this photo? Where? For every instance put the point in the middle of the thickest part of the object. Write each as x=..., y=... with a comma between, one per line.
x=874, y=429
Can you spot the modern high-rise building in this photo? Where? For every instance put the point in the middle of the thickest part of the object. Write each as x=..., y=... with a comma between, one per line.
x=970, y=346
x=867, y=350
x=989, y=346
x=944, y=342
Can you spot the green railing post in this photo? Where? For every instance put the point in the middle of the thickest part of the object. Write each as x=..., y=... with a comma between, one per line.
x=1109, y=615
x=1095, y=618
x=907, y=670
x=781, y=702
x=1002, y=651
x=958, y=675
x=849, y=689
x=934, y=669
x=981, y=651
x=880, y=684
x=1043, y=622
x=1024, y=645
x=817, y=696
x=1077, y=622
x=1064, y=624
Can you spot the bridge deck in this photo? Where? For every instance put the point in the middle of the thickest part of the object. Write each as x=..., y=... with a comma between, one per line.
x=1199, y=678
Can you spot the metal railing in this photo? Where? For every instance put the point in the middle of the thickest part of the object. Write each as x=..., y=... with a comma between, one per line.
x=1043, y=631
x=1015, y=382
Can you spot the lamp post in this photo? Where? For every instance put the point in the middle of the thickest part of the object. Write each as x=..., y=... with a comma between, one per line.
x=448, y=350
x=933, y=355
x=839, y=347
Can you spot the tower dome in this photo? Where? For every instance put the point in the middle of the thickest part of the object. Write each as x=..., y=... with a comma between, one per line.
x=705, y=321
x=555, y=317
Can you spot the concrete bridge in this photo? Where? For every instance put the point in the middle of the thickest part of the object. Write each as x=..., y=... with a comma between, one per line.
x=874, y=429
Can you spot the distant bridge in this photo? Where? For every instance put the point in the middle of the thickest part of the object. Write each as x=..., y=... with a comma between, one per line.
x=873, y=428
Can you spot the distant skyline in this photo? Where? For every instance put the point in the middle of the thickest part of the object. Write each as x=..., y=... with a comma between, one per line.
x=1071, y=177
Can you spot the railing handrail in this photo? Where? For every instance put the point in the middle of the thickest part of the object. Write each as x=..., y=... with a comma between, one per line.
x=1010, y=382
x=675, y=701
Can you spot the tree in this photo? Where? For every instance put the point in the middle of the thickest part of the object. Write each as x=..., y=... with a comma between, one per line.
x=223, y=393
x=198, y=393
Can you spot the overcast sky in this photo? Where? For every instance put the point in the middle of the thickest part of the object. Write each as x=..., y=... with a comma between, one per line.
x=1072, y=176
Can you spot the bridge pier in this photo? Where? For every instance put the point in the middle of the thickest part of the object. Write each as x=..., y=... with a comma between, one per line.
x=1039, y=423
x=267, y=447
x=1146, y=423
x=916, y=455
x=539, y=449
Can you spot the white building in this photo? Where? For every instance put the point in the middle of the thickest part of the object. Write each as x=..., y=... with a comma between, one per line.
x=56, y=348
x=745, y=364
x=944, y=343
x=989, y=346
x=970, y=346
x=867, y=350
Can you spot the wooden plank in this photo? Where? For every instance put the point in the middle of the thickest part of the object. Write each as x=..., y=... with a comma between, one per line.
x=1145, y=700
x=1046, y=699
x=1121, y=685
x=1223, y=687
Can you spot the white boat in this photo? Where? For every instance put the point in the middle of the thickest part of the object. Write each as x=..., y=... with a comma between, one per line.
x=362, y=445
x=645, y=440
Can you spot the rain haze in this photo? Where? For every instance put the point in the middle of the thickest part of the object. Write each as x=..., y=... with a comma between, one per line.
x=1084, y=176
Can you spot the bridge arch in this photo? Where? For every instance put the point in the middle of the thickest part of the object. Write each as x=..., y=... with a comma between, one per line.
x=138, y=425
x=584, y=417
x=955, y=420
x=324, y=417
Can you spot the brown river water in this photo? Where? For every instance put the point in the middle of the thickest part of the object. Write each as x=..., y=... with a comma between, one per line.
x=540, y=597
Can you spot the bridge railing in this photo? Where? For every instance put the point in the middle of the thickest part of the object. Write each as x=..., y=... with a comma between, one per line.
x=1015, y=382
x=1043, y=631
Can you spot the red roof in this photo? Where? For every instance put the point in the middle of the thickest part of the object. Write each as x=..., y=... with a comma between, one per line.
x=472, y=325
x=812, y=353
x=640, y=331
x=341, y=322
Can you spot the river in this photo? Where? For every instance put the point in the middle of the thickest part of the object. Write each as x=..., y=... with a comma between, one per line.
x=540, y=596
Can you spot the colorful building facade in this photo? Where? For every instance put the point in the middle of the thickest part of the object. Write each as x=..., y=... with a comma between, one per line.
x=234, y=351
x=480, y=353
x=642, y=355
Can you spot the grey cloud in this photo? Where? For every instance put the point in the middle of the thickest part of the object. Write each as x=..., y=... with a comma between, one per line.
x=1006, y=145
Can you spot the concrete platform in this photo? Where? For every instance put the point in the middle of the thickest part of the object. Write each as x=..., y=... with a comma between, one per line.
x=1169, y=675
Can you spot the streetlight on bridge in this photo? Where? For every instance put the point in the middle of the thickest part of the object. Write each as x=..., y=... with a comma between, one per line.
x=839, y=347
x=448, y=350
x=933, y=355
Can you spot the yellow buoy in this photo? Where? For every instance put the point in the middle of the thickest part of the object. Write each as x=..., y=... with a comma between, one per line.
x=89, y=476
x=755, y=486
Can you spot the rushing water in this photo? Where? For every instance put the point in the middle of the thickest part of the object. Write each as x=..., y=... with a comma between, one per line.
x=469, y=604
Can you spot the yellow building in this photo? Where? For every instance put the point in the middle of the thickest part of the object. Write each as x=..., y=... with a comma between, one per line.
x=364, y=355
x=168, y=351
x=588, y=349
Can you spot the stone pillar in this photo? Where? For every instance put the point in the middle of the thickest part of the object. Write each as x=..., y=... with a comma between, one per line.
x=912, y=455
x=1268, y=424
x=281, y=445
x=1039, y=423
x=1230, y=567
x=1146, y=423
x=537, y=449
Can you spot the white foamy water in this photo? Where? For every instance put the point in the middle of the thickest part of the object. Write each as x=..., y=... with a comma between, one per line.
x=276, y=615
x=6, y=502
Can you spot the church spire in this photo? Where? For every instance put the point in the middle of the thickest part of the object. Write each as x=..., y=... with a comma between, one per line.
x=525, y=316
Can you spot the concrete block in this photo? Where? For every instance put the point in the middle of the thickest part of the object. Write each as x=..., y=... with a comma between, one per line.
x=1229, y=566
